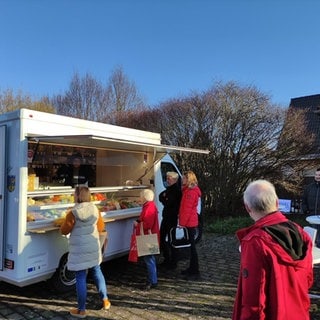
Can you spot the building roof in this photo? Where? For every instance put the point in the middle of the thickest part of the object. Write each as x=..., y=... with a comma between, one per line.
x=312, y=106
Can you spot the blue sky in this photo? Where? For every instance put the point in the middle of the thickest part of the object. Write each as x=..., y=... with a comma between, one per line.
x=169, y=48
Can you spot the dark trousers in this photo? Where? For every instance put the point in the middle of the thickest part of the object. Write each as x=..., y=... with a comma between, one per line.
x=194, y=264
x=169, y=253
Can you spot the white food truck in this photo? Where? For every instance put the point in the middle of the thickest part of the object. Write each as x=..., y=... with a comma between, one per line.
x=34, y=147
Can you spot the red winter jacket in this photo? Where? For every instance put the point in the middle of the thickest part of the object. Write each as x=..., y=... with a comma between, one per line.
x=149, y=217
x=275, y=271
x=188, y=215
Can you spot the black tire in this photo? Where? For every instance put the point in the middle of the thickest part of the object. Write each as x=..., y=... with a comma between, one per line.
x=199, y=229
x=63, y=279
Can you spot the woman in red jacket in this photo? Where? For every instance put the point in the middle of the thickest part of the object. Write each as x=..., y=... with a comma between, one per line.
x=149, y=218
x=188, y=217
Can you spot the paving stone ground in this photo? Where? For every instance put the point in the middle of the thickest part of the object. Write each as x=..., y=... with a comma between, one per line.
x=210, y=297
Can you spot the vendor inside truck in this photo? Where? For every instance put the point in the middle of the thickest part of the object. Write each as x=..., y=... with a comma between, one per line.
x=76, y=172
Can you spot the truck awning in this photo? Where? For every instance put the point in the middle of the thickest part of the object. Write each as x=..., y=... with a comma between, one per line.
x=91, y=141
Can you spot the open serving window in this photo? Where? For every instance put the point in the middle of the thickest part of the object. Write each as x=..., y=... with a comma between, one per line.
x=115, y=170
x=108, y=162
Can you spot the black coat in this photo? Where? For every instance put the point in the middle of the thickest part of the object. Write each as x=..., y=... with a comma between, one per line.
x=170, y=198
x=311, y=199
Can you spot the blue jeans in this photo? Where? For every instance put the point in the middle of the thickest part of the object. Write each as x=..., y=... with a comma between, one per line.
x=81, y=285
x=150, y=262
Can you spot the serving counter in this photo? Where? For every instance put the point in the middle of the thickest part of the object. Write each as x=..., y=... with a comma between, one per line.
x=45, y=207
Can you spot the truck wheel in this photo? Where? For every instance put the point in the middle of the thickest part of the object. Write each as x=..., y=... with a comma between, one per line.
x=63, y=280
x=198, y=234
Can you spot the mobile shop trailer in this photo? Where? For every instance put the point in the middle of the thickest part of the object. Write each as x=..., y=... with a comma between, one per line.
x=33, y=147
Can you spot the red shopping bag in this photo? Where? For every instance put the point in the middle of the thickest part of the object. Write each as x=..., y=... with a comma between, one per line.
x=133, y=253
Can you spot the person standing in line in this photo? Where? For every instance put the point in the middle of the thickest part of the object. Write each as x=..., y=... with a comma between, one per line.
x=149, y=218
x=84, y=222
x=276, y=261
x=311, y=196
x=311, y=201
x=188, y=217
x=170, y=198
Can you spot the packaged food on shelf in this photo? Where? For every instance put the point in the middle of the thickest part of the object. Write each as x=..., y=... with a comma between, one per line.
x=47, y=214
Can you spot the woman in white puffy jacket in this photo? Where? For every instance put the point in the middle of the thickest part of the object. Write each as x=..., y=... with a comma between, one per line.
x=84, y=222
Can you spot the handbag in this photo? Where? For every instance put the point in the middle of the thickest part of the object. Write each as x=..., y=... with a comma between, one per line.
x=133, y=252
x=179, y=237
x=147, y=244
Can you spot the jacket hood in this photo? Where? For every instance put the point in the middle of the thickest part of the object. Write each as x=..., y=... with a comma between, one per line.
x=286, y=234
x=289, y=238
x=84, y=211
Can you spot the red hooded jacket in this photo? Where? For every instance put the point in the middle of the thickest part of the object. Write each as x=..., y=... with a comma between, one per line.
x=149, y=217
x=188, y=215
x=275, y=271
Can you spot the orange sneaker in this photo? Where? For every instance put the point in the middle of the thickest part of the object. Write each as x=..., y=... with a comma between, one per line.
x=78, y=313
x=106, y=304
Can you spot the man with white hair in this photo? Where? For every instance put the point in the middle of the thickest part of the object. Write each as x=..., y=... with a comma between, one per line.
x=170, y=198
x=276, y=261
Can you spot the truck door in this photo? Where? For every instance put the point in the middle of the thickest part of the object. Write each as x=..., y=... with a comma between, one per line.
x=2, y=191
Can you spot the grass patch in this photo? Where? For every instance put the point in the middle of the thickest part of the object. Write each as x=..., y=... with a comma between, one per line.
x=230, y=225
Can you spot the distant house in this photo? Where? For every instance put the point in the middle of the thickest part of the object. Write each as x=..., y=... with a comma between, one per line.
x=312, y=106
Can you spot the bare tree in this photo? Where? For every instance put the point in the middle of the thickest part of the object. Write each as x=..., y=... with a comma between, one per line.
x=123, y=96
x=89, y=99
x=142, y=119
x=84, y=99
x=246, y=144
x=9, y=101
x=294, y=147
x=241, y=128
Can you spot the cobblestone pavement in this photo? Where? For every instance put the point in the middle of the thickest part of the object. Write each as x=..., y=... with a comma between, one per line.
x=210, y=297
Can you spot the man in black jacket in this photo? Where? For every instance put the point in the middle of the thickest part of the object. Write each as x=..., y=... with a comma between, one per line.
x=311, y=201
x=76, y=173
x=311, y=196
x=170, y=198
